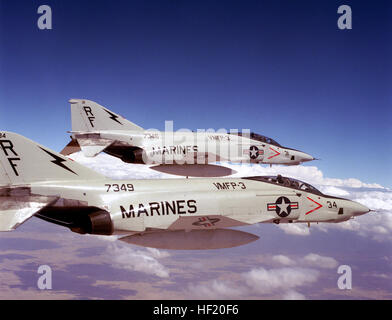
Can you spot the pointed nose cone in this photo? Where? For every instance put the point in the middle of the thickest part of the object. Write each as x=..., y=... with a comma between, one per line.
x=304, y=157
x=359, y=209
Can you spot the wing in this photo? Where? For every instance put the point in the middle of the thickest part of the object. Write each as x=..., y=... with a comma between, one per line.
x=18, y=204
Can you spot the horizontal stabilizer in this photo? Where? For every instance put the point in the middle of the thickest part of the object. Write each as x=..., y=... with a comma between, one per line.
x=92, y=144
x=17, y=205
x=192, y=240
x=92, y=151
x=72, y=147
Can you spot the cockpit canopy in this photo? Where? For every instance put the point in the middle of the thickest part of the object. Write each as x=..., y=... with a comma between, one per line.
x=287, y=182
x=258, y=137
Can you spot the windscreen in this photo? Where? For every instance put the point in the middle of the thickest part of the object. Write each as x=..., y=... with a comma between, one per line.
x=287, y=182
x=258, y=137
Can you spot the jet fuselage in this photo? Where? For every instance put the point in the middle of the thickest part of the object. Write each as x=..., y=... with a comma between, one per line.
x=187, y=204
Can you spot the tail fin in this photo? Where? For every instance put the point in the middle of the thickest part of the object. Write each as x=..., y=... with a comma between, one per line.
x=23, y=161
x=89, y=116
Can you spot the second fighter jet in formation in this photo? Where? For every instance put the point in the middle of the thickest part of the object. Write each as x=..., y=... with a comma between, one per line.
x=96, y=129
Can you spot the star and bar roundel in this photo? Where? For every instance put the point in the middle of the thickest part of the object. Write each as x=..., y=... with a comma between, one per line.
x=282, y=206
x=254, y=152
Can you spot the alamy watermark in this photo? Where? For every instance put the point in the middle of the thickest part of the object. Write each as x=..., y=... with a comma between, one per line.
x=45, y=19
x=345, y=20
x=345, y=280
x=45, y=280
x=202, y=146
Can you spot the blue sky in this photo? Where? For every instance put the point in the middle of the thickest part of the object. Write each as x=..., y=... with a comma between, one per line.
x=280, y=68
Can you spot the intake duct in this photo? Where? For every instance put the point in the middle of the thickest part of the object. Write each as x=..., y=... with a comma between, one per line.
x=82, y=220
x=99, y=222
x=127, y=154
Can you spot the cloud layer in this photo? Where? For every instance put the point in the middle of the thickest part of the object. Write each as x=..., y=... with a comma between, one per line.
x=144, y=260
x=283, y=280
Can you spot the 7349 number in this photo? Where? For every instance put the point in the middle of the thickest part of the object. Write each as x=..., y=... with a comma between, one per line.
x=120, y=187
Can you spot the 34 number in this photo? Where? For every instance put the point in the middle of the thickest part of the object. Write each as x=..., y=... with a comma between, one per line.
x=332, y=204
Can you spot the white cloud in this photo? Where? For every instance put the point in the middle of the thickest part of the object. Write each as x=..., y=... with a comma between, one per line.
x=145, y=261
x=114, y=168
x=259, y=282
x=295, y=229
x=298, y=272
x=293, y=295
x=375, y=200
x=284, y=260
x=316, y=260
x=334, y=191
x=217, y=289
x=264, y=281
x=158, y=253
x=310, y=174
x=375, y=225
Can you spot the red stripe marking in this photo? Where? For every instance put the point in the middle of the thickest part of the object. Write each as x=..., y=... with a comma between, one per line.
x=276, y=153
x=319, y=206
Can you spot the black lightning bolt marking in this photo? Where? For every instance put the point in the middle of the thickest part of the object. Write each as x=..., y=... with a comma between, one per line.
x=58, y=161
x=113, y=116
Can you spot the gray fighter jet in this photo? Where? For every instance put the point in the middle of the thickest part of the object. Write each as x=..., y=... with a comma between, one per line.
x=96, y=129
x=174, y=213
